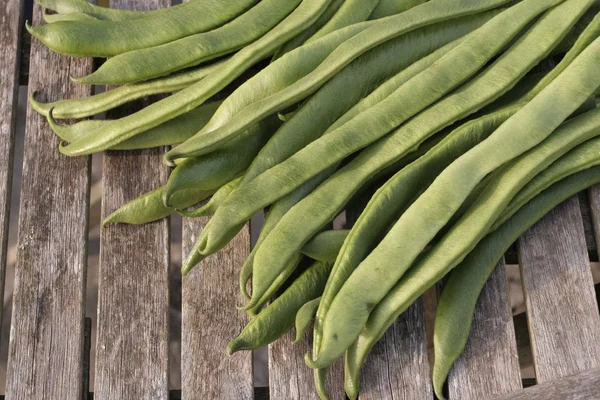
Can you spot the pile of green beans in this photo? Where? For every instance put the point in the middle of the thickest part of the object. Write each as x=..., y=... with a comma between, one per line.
x=462, y=122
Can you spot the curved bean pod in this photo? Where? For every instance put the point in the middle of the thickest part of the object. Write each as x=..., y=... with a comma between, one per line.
x=397, y=108
x=88, y=106
x=171, y=132
x=211, y=206
x=105, y=38
x=466, y=281
x=465, y=235
x=85, y=7
x=390, y=7
x=326, y=245
x=189, y=98
x=426, y=14
x=278, y=317
x=304, y=318
x=351, y=12
x=152, y=62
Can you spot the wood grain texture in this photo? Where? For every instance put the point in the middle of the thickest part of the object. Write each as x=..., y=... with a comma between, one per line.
x=582, y=386
x=489, y=365
x=210, y=320
x=133, y=291
x=47, y=332
x=564, y=325
x=11, y=25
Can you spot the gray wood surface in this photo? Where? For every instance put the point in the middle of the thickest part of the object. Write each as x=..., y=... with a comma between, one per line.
x=210, y=320
x=489, y=365
x=133, y=291
x=47, y=333
x=564, y=324
x=582, y=386
x=10, y=42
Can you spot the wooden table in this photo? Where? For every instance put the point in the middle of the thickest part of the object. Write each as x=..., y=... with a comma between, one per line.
x=49, y=341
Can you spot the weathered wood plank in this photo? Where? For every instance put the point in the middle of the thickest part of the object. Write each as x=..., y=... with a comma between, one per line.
x=133, y=291
x=210, y=319
x=47, y=334
x=489, y=366
x=581, y=386
x=11, y=25
x=564, y=324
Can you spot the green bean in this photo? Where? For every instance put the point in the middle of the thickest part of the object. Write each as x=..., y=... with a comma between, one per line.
x=278, y=317
x=391, y=7
x=351, y=12
x=465, y=235
x=88, y=106
x=156, y=61
x=156, y=113
x=466, y=281
x=211, y=171
x=304, y=318
x=171, y=132
x=326, y=245
x=391, y=27
x=82, y=6
x=105, y=38
x=149, y=207
x=72, y=16
x=302, y=37
x=211, y=206
x=397, y=108
x=539, y=118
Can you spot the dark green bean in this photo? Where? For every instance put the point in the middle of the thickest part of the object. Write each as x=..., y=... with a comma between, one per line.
x=156, y=61
x=278, y=317
x=304, y=318
x=105, y=38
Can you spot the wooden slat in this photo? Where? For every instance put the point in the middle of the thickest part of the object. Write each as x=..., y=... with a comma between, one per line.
x=133, y=291
x=210, y=319
x=47, y=333
x=10, y=43
x=564, y=324
x=489, y=365
x=582, y=386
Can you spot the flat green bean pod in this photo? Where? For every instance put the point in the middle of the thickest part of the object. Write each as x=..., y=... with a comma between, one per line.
x=211, y=206
x=73, y=16
x=105, y=38
x=88, y=106
x=351, y=12
x=304, y=318
x=526, y=129
x=191, y=97
x=390, y=7
x=171, y=132
x=85, y=7
x=384, y=30
x=211, y=171
x=397, y=108
x=471, y=228
x=326, y=245
x=189, y=51
x=279, y=316
x=149, y=207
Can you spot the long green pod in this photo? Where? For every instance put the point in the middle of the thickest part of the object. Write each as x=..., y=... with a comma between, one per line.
x=83, y=6
x=448, y=72
x=471, y=228
x=459, y=297
x=304, y=318
x=390, y=7
x=209, y=208
x=211, y=171
x=430, y=212
x=152, y=62
x=105, y=38
x=384, y=30
x=279, y=316
x=360, y=77
x=92, y=105
x=149, y=207
x=351, y=12
x=191, y=97
x=326, y=245
x=172, y=132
